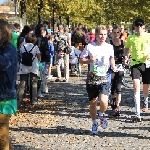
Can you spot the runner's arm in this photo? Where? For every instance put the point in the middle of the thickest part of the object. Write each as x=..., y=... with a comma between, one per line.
x=112, y=63
x=126, y=53
x=87, y=61
x=112, y=60
x=127, y=48
x=84, y=56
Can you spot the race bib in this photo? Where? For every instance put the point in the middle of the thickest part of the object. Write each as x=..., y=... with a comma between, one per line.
x=119, y=67
x=100, y=70
x=147, y=64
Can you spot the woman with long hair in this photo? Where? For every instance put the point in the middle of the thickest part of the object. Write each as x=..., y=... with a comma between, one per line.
x=117, y=77
x=8, y=98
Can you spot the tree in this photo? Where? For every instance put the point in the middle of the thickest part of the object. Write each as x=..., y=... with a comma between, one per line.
x=89, y=12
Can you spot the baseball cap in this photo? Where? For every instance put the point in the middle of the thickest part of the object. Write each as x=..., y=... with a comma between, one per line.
x=49, y=31
x=139, y=21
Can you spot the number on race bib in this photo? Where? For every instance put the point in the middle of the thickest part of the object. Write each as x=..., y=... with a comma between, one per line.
x=119, y=67
x=100, y=70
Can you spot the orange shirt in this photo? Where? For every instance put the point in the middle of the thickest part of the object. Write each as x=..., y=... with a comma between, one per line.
x=125, y=35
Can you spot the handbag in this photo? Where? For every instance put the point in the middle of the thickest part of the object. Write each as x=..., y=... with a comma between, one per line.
x=68, y=49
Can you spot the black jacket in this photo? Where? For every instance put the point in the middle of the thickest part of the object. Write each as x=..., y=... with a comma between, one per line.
x=42, y=43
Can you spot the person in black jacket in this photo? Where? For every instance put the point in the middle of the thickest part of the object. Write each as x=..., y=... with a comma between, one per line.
x=42, y=43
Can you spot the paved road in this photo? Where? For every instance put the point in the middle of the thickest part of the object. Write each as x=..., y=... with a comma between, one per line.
x=62, y=122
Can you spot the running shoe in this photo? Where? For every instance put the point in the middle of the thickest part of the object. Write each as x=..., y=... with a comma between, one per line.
x=113, y=103
x=94, y=128
x=103, y=122
x=116, y=112
x=137, y=118
x=145, y=106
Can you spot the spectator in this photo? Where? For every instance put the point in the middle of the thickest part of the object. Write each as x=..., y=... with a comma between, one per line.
x=23, y=34
x=92, y=35
x=42, y=43
x=51, y=52
x=61, y=41
x=32, y=70
x=78, y=37
x=15, y=35
x=8, y=66
x=124, y=35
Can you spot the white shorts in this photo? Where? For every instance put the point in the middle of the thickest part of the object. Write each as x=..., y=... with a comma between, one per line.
x=73, y=61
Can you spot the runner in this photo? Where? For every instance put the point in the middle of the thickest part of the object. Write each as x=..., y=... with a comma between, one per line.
x=140, y=44
x=117, y=77
x=101, y=56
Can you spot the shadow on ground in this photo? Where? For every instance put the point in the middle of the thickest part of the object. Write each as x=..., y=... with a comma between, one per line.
x=22, y=147
x=69, y=96
x=63, y=129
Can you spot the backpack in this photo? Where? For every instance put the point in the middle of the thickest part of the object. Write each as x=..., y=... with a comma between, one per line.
x=60, y=41
x=27, y=57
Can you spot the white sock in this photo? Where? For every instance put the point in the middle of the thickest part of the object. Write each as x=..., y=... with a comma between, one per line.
x=137, y=103
x=94, y=121
x=146, y=99
x=101, y=114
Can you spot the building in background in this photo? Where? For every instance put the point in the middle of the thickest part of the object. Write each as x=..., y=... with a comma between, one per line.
x=8, y=13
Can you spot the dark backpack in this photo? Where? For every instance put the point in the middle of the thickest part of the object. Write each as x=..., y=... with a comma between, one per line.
x=27, y=57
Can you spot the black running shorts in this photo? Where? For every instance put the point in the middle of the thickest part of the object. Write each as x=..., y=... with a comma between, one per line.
x=140, y=70
x=94, y=90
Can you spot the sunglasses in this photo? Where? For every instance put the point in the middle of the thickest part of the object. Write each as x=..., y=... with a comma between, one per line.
x=138, y=25
x=116, y=32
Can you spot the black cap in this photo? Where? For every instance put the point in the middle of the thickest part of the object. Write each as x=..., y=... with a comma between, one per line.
x=139, y=21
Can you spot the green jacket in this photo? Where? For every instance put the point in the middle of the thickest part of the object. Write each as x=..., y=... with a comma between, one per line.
x=15, y=39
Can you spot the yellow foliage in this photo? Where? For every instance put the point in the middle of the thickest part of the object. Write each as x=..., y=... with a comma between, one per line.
x=91, y=12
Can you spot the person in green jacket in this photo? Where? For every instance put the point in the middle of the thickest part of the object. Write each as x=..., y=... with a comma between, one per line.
x=15, y=35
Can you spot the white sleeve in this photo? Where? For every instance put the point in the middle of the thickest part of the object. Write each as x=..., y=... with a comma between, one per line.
x=85, y=52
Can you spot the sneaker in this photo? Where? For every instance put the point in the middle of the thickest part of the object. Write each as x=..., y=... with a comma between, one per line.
x=117, y=112
x=94, y=128
x=40, y=95
x=137, y=118
x=113, y=104
x=103, y=122
x=145, y=106
x=73, y=73
x=57, y=80
x=49, y=77
x=65, y=80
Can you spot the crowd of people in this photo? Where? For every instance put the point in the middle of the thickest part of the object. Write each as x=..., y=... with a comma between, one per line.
x=106, y=58
x=26, y=60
